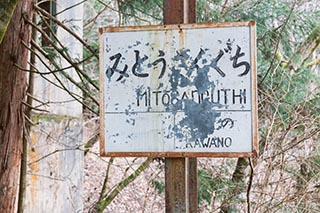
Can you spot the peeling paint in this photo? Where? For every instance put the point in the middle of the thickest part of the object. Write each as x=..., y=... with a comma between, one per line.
x=169, y=93
x=199, y=119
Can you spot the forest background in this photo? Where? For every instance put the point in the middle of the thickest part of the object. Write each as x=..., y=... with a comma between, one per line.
x=285, y=176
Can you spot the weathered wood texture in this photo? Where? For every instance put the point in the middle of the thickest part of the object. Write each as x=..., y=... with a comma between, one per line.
x=55, y=165
x=12, y=93
x=55, y=159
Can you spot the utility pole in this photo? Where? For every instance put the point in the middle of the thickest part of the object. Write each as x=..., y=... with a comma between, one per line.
x=180, y=173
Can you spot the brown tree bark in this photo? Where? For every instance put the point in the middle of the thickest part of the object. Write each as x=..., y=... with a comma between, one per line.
x=13, y=54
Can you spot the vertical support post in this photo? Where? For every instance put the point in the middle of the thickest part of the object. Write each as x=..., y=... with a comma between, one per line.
x=180, y=173
x=175, y=185
x=191, y=185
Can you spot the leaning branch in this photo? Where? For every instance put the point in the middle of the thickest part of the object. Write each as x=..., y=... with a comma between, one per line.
x=103, y=203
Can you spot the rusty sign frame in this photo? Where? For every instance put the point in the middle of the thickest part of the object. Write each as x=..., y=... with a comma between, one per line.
x=181, y=27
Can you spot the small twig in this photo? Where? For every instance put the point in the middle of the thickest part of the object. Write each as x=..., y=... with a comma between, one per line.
x=45, y=64
x=66, y=56
x=93, y=52
x=296, y=143
x=34, y=98
x=73, y=95
x=52, y=153
x=29, y=120
x=249, y=185
x=93, y=139
x=33, y=108
x=278, y=43
x=68, y=8
x=50, y=72
x=97, y=15
x=73, y=64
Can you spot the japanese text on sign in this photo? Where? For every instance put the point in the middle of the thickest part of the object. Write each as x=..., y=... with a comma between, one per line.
x=184, y=90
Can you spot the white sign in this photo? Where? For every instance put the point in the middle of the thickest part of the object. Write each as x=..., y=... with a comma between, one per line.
x=179, y=90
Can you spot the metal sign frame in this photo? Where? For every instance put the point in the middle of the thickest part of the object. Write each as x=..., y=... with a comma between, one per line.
x=108, y=70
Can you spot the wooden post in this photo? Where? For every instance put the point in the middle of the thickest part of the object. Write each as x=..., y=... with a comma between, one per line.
x=180, y=173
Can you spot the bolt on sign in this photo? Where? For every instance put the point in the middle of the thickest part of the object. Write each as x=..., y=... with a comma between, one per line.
x=179, y=90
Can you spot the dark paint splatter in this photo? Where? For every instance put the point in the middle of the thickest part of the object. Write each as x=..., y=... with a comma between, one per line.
x=199, y=118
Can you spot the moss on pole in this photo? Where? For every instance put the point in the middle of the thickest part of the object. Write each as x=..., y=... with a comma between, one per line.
x=6, y=10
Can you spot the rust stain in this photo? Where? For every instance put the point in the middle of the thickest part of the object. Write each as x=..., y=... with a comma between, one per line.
x=254, y=154
x=166, y=38
x=101, y=94
x=173, y=12
x=100, y=30
x=181, y=38
x=252, y=23
x=255, y=144
x=34, y=167
x=181, y=154
x=170, y=26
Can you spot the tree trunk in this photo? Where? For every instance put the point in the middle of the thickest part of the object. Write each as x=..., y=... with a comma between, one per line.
x=239, y=180
x=13, y=54
x=6, y=11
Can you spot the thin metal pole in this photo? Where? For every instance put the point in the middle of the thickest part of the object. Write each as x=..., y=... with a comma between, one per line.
x=180, y=173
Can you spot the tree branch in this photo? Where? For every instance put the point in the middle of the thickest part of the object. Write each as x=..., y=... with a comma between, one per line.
x=102, y=204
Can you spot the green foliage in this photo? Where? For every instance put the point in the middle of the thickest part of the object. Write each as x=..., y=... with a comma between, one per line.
x=95, y=46
x=6, y=11
x=276, y=20
x=140, y=11
x=289, y=97
x=206, y=186
x=313, y=170
x=209, y=185
x=158, y=185
x=207, y=11
x=51, y=53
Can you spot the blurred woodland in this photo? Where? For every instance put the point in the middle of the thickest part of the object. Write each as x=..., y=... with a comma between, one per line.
x=284, y=178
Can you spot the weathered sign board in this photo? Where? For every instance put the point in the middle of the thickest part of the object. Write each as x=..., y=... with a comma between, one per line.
x=179, y=90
